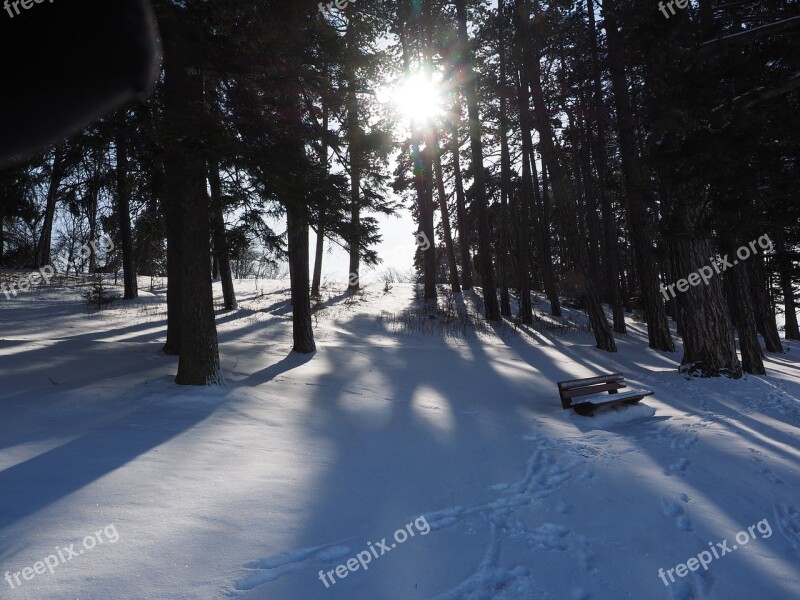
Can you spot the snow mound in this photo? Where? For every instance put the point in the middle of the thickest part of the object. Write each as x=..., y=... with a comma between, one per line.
x=609, y=416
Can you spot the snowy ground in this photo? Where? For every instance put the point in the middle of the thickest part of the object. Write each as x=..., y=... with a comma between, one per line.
x=301, y=463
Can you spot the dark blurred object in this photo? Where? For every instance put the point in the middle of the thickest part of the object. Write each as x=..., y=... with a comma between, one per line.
x=65, y=63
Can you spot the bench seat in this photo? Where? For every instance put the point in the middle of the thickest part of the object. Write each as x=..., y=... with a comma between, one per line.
x=618, y=397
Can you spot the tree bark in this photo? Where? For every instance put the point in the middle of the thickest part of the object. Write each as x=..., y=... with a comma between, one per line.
x=709, y=348
x=45, y=240
x=221, y=253
x=124, y=215
x=452, y=265
x=186, y=193
x=505, y=171
x=91, y=209
x=479, y=185
x=423, y=183
x=426, y=209
x=610, y=235
x=541, y=199
x=354, y=136
x=657, y=324
x=427, y=206
x=785, y=270
x=461, y=209
x=319, y=251
x=737, y=291
x=297, y=230
x=765, y=311
x=527, y=197
x=565, y=201
x=2, y=234
x=172, y=220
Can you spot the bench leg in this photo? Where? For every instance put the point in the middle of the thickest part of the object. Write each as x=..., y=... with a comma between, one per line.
x=585, y=409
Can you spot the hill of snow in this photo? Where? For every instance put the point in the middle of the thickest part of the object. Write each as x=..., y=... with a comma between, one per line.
x=302, y=467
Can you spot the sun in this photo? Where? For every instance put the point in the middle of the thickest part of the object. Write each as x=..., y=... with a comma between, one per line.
x=418, y=98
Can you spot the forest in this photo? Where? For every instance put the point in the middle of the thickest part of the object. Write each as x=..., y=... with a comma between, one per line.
x=594, y=152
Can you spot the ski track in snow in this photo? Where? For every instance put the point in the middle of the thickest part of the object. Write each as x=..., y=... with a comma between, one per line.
x=553, y=464
x=777, y=399
x=275, y=567
x=549, y=468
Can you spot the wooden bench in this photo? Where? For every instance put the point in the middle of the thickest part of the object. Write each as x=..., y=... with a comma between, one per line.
x=585, y=395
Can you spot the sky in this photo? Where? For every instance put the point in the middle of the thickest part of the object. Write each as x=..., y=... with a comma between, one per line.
x=396, y=249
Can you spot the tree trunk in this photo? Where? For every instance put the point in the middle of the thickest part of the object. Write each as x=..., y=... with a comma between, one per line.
x=354, y=136
x=124, y=215
x=610, y=235
x=172, y=219
x=785, y=269
x=45, y=240
x=657, y=324
x=479, y=185
x=583, y=155
x=186, y=194
x=565, y=201
x=737, y=291
x=91, y=210
x=708, y=345
x=505, y=171
x=427, y=203
x=297, y=230
x=426, y=209
x=221, y=253
x=765, y=311
x=527, y=197
x=524, y=250
x=541, y=199
x=448, y=235
x=319, y=251
x=461, y=209
x=2, y=234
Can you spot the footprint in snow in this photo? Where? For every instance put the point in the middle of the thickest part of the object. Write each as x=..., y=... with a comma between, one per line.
x=684, y=441
x=678, y=467
x=787, y=519
x=696, y=587
x=673, y=510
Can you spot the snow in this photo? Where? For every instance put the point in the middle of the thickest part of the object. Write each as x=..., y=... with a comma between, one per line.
x=604, y=398
x=248, y=491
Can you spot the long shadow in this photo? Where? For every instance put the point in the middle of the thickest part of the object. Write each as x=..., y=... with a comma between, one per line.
x=417, y=430
x=47, y=478
x=291, y=361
